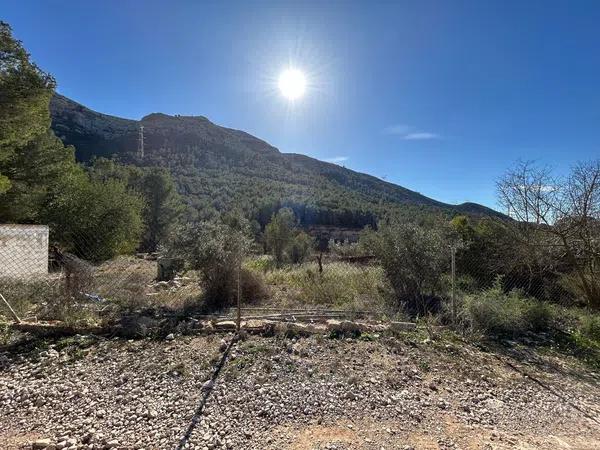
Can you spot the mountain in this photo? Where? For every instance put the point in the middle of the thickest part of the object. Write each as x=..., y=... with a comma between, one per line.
x=217, y=168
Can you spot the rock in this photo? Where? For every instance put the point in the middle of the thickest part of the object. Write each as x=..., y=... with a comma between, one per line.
x=41, y=443
x=298, y=329
x=344, y=327
x=170, y=337
x=136, y=326
x=226, y=325
x=259, y=326
x=299, y=349
x=402, y=326
x=208, y=385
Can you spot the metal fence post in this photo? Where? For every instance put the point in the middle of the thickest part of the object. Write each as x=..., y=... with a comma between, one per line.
x=239, y=303
x=453, y=250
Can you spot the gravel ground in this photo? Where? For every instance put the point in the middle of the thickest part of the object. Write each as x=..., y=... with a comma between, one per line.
x=307, y=393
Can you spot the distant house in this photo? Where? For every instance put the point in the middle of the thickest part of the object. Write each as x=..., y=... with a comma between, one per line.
x=23, y=250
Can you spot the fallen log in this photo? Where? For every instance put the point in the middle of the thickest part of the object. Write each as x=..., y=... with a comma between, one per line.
x=56, y=329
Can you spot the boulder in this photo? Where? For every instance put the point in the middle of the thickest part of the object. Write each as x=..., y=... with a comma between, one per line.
x=345, y=327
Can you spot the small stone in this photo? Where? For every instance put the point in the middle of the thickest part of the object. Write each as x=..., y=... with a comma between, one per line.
x=170, y=337
x=350, y=395
x=222, y=345
x=41, y=443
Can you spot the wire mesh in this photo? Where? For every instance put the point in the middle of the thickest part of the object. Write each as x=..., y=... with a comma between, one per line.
x=41, y=280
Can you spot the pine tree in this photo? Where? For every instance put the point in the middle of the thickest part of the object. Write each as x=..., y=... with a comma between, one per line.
x=25, y=92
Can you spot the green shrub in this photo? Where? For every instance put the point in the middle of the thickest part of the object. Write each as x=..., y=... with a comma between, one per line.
x=414, y=258
x=5, y=333
x=590, y=326
x=262, y=263
x=494, y=312
x=300, y=248
x=279, y=233
x=215, y=249
x=537, y=316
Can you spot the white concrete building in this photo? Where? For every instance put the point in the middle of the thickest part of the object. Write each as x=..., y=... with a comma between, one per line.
x=23, y=250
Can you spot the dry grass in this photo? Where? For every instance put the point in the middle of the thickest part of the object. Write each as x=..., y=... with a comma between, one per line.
x=341, y=285
x=122, y=284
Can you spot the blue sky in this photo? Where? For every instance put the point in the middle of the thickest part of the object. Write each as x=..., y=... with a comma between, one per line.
x=437, y=96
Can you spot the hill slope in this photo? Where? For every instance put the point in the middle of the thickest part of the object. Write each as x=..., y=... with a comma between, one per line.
x=217, y=167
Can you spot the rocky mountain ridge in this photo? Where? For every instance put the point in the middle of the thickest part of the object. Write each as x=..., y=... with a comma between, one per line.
x=220, y=166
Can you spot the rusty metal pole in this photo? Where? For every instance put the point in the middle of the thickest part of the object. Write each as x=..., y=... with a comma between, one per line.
x=12, y=311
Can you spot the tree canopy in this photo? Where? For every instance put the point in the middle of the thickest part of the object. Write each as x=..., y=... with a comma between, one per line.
x=40, y=180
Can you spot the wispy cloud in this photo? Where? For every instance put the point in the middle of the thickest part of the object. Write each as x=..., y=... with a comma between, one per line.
x=421, y=135
x=410, y=133
x=336, y=159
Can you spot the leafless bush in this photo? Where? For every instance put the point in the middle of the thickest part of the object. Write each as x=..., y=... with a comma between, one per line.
x=559, y=217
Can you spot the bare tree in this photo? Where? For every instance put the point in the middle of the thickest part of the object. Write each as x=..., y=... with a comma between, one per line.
x=559, y=214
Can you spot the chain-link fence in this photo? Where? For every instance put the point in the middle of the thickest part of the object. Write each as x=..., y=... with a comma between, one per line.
x=41, y=280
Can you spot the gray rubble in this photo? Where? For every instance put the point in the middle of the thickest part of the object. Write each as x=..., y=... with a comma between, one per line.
x=277, y=392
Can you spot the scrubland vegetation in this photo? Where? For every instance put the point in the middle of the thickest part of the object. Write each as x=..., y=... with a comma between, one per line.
x=340, y=285
x=536, y=271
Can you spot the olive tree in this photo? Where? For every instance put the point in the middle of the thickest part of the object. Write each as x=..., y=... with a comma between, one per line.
x=414, y=258
x=279, y=233
x=215, y=249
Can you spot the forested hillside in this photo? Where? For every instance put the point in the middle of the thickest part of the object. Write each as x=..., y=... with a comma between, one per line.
x=217, y=168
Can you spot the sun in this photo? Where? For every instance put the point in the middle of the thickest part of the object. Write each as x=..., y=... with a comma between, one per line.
x=292, y=84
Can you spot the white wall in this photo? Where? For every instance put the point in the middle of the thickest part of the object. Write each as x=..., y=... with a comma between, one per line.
x=23, y=250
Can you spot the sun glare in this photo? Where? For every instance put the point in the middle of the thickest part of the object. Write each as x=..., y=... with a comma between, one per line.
x=292, y=84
